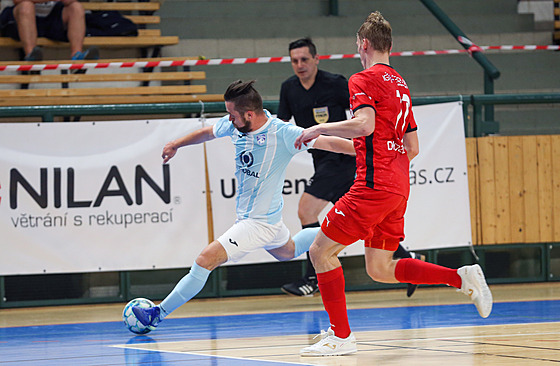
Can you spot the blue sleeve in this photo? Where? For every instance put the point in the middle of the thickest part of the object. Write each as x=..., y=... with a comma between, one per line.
x=223, y=127
x=290, y=133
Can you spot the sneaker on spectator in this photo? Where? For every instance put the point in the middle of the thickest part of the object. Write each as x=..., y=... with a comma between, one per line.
x=303, y=287
x=91, y=53
x=412, y=287
x=331, y=345
x=36, y=54
x=474, y=286
x=149, y=316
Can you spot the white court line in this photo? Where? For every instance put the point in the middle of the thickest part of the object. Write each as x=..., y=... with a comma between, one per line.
x=217, y=356
x=460, y=337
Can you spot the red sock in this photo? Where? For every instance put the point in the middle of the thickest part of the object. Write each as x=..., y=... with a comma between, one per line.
x=419, y=272
x=331, y=285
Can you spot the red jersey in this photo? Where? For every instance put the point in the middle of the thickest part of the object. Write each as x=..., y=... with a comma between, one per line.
x=381, y=159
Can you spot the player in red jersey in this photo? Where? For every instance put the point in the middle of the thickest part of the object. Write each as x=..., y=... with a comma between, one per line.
x=384, y=133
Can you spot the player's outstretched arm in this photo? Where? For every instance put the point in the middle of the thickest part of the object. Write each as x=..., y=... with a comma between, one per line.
x=335, y=144
x=202, y=135
x=363, y=124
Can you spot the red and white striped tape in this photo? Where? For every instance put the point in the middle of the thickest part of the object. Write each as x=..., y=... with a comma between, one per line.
x=251, y=60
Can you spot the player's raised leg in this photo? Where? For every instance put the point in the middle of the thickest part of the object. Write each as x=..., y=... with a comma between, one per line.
x=189, y=286
x=307, y=285
x=469, y=279
x=296, y=246
x=402, y=253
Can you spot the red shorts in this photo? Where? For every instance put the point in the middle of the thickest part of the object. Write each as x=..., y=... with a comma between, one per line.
x=377, y=217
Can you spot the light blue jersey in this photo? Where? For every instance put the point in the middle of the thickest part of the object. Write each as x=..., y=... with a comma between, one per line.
x=261, y=159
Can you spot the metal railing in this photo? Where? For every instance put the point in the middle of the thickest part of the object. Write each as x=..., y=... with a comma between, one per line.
x=481, y=124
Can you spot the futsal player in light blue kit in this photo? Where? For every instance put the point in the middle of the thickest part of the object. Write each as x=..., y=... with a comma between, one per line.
x=263, y=148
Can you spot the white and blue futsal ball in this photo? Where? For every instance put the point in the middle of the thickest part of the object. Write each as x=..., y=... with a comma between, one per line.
x=130, y=320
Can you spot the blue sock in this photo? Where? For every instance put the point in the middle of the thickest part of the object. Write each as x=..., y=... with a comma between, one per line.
x=186, y=289
x=304, y=239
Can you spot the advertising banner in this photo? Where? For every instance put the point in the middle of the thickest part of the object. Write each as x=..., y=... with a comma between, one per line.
x=85, y=197
x=438, y=212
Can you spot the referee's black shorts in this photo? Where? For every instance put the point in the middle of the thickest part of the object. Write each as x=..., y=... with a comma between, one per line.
x=334, y=175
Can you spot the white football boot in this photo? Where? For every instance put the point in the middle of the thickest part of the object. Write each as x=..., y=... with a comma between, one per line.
x=474, y=286
x=331, y=345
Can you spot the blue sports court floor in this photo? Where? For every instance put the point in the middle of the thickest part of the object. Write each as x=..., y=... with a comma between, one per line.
x=517, y=332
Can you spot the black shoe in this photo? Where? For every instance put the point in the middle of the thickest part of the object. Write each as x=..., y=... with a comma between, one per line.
x=36, y=54
x=304, y=287
x=410, y=289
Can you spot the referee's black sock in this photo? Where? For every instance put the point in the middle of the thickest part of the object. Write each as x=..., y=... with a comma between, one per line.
x=310, y=271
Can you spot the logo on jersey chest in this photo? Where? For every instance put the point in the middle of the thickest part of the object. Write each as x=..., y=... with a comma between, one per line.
x=321, y=115
x=246, y=159
x=261, y=139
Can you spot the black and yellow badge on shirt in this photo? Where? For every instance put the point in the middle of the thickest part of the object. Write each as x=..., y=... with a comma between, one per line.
x=321, y=115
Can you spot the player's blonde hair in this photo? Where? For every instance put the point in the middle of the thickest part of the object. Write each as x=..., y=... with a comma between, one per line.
x=378, y=31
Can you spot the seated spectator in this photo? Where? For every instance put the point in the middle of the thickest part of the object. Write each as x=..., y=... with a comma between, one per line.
x=60, y=20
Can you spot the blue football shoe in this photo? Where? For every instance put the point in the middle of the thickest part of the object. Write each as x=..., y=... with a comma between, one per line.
x=148, y=317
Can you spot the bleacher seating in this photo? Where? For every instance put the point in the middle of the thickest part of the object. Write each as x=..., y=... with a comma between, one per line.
x=130, y=9
x=92, y=88
x=107, y=86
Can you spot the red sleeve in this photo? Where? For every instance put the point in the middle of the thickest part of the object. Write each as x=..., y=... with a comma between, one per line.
x=359, y=93
x=411, y=122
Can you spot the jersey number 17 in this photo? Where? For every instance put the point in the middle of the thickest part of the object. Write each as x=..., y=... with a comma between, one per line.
x=400, y=123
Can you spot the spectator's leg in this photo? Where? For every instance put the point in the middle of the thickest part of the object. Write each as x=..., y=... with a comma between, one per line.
x=24, y=13
x=73, y=16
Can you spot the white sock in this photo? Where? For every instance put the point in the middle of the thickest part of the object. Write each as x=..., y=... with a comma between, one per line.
x=186, y=289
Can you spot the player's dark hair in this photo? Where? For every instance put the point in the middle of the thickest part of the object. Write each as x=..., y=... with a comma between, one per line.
x=378, y=31
x=304, y=42
x=244, y=96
